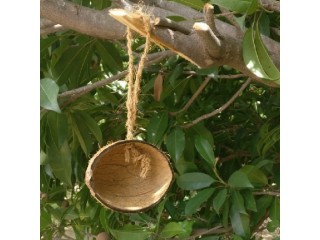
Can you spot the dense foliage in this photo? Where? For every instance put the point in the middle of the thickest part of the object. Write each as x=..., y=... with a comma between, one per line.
x=226, y=167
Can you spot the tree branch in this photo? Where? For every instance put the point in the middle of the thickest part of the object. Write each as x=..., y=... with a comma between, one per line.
x=100, y=24
x=211, y=231
x=165, y=22
x=271, y=5
x=267, y=193
x=78, y=92
x=219, y=110
x=52, y=29
x=194, y=96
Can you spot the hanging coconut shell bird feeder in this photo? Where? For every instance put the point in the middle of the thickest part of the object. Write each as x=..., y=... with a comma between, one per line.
x=130, y=175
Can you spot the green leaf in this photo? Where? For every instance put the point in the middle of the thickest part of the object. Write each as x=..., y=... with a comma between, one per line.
x=106, y=51
x=201, y=130
x=131, y=232
x=157, y=127
x=43, y=158
x=184, y=166
x=240, y=224
x=256, y=57
x=237, y=202
x=239, y=179
x=211, y=238
x=45, y=219
x=92, y=125
x=195, y=180
x=79, y=56
x=263, y=203
x=275, y=213
x=225, y=213
x=58, y=126
x=60, y=162
x=82, y=134
x=212, y=71
x=176, y=143
x=205, y=149
x=48, y=94
x=194, y=203
x=239, y=6
x=252, y=7
x=196, y=4
x=219, y=200
x=267, y=63
x=255, y=175
x=175, y=74
x=180, y=229
x=250, y=202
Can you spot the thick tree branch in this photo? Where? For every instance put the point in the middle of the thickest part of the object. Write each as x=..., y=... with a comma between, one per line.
x=101, y=24
x=220, y=109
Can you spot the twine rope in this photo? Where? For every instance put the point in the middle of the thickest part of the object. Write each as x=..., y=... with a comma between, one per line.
x=131, y=152
x=134, y=81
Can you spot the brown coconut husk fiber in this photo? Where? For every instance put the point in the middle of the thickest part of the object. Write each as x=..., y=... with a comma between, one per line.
x=118, y=184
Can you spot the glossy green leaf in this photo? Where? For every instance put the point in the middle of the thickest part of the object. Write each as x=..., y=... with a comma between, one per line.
x=157, y=127
x=263, y=203
x=240, y=6
x=256, y=57
x=196, y=4
x=176, y=143
x=239, y=179
x=237, y=202
x=252, y=7
x=266, y=61
x=79, y=56
x=249, y=200
x=256, y=177
x=175, y=74
x=131, y=232
x=179, y=229
x=200, y=129
x=105, y=51
x=92, y=125
x=211, y=238
x=275, y=210
x=195, y=180
x=225, y=213
x=43, y=158
x=82, y=133
x=194, y=203
x=184, y=166
x=240, y=224
x=205, y=149
x=60, y=162
x=58, y=126
x=219, y=199
x=45, y=219
x=48, y=95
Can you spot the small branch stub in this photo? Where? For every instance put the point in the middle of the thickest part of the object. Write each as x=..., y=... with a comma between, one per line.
x=210, y=41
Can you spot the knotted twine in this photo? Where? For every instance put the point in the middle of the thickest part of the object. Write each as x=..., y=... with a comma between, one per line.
x=132, y=153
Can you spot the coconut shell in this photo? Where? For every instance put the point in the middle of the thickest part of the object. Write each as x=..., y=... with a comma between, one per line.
x=129, y=185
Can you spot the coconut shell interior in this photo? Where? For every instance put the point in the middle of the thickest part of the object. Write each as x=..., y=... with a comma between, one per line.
x=118, y=184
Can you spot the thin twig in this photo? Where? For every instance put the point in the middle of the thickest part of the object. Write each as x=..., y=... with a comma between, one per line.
x=78, y=92
x=215, y=230
x=165, y=22
x=194, y=96
x=219, y=110
x=267, y=193
x=234, y=156
x=218, y=76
